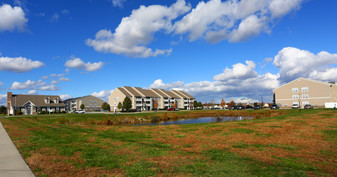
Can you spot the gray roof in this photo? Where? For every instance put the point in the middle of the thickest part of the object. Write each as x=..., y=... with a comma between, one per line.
x=178, y=93
x=81, y=98
x=171, y=94
x=159, y=92
x=188, y=95
x=132, y=91
x=37, y=100
x=123, y=90
x=147, y=93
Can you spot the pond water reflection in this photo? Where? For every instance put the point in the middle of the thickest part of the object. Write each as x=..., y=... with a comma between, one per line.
x=200, y=120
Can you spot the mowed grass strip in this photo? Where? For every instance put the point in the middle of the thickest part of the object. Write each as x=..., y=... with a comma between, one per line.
x=289, y=143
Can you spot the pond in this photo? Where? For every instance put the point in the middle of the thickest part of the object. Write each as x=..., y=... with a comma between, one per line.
x=199, y=120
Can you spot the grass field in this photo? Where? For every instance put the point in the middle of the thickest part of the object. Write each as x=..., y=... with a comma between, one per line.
x=276, y=143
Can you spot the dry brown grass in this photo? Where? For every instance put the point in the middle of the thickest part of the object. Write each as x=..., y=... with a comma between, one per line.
x=297, y=137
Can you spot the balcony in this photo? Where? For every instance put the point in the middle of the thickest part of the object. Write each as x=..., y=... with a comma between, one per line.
x=138, y=99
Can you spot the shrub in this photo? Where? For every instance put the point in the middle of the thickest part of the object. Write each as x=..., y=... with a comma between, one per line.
x=18, y=112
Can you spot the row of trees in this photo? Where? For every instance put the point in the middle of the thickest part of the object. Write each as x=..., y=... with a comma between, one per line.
x=126, y=105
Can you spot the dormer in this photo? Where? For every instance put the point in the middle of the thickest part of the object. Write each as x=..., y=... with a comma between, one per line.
x=47, y=100
x=56, y=100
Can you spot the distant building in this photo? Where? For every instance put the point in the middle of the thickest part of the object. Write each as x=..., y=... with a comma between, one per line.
x=304, y=91
x=33, y=104
x=91, y=103
x=144, y=99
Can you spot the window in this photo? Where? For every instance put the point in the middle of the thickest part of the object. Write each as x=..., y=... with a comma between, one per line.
x=304, y=89
x=90, y=101
x=305, y=103
x=295, y=89
x=47, y=100
x=114, y=98
x=305, y=96
x=117, y=98
x=295, y=96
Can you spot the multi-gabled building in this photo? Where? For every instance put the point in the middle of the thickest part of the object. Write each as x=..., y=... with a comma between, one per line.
x=33, y=104
x=144, y=99
x=91, y=103
x=304, y=91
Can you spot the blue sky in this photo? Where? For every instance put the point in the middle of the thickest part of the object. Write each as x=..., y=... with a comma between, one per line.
x=236, y=50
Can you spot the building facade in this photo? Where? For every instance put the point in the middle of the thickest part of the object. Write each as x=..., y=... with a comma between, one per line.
x=91, y=103
x=304, y=91
x=144, y=99
x=33, y=104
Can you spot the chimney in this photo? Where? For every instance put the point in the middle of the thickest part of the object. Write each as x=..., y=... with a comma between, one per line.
x=9, y=102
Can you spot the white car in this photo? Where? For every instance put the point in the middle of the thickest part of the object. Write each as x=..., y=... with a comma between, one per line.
x=295, y=106
x=80, y=112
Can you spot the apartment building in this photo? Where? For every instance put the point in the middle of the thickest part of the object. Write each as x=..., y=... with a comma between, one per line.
x=144, y=99
x=33, y=104
x=304, y=91
x=91, y=103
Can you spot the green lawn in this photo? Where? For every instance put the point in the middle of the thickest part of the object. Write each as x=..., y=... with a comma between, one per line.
x=288, y=143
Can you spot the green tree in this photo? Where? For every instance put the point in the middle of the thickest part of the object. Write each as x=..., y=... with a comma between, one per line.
x=82, y=106
x=120, y=105
x=106, y=106
x=195, y=104
x=127, y=104
x=3, y=110
x=199, y=104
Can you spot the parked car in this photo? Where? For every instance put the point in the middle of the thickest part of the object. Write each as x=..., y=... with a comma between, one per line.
x=171, y=109
x=257, y=107
x=80, y=111
x=274, y=106
x=295, y=106
x=308, y=106
x=176, y=109
x=237, y=107
x=249, y=107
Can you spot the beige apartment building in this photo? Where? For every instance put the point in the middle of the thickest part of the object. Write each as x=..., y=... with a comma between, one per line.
x=144, y=99
x=304, y=91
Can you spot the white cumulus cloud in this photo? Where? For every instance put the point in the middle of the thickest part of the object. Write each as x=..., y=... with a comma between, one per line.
x=79, y=64
x=28, y=85
x=233, y=20
x=238, y=71
x=103, y=94
x=18, y=64
x=135, y=32
x=12, y=18
x=239, y=81
x=294, y=63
